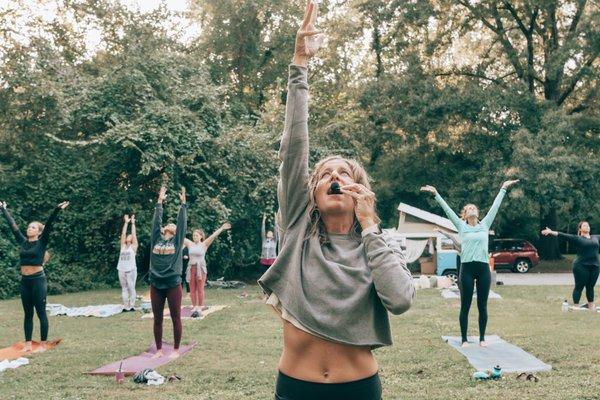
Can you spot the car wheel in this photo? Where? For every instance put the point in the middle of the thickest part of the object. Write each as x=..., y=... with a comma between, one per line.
x=453, y=275
x=522, y=266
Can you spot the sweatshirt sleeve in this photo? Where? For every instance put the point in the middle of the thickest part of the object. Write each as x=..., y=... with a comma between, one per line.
x=13, y=226
x=451, y=214
x=392, y=279
x=292, y=188
x=569, y=237
x=156, y=222
x=181, y=226
x=488, y=220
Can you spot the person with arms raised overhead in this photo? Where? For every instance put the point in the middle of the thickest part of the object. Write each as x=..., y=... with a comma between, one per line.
x=336, y=277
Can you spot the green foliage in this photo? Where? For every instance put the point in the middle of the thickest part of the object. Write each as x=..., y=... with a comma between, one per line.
x=143, y=115
x=419, y=92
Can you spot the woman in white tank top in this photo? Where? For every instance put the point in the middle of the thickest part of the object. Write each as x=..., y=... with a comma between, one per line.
x=127, y=267
x=197, y=272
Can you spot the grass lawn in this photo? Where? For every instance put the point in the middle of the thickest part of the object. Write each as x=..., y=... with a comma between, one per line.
x=564, y=265
x=239, y=347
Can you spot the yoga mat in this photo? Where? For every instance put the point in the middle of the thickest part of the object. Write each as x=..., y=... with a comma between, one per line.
x=101, y=311
x=16, y=350
x=455, y=294
x=135, y=364
x=509, y=357
x=186, y=312
x=5, y=364
x=578, y=308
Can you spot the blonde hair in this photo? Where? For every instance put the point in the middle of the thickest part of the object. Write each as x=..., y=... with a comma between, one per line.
x=40, y=226
x=463, y=212
x=170, y=227
x=359, y=175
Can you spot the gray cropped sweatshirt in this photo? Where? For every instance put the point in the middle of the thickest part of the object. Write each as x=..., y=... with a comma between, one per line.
x=340, y=289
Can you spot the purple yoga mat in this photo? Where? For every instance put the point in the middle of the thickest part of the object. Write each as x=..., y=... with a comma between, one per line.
x=133, y=365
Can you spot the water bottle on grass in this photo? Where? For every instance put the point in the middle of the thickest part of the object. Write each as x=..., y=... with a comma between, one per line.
x=496, y=373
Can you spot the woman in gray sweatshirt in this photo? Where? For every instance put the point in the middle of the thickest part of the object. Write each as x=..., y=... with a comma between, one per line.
x=335, y=278
x=165, y=271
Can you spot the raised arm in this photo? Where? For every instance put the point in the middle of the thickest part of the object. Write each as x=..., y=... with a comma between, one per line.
x=124, y=230
x=181, y=220
x=209, y=240
x=451, y=214
x=13, y=226
x=276, y=228
x=567, y=236
x=263, y=233
x=158, y=215
x=292, y=189
x=134, y=239
x=491, y=215
x=50, y=222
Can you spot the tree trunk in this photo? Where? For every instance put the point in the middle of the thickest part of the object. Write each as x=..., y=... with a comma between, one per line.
x=378, y=49
x=548, y=245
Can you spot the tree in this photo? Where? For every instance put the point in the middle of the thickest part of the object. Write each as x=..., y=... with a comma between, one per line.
x=531, y=63
x=106, y=131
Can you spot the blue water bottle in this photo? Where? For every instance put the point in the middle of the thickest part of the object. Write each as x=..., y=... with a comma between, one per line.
x=496, y=373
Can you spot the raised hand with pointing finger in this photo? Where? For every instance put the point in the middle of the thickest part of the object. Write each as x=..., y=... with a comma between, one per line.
x=308, y=38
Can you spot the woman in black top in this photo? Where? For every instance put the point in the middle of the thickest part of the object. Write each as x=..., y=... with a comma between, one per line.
x=586, y=266
x=33, y=280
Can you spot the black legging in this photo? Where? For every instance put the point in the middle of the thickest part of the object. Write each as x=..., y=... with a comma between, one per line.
x=33, y=295
x=586, y=277
x=289, y=388
x=471, y=274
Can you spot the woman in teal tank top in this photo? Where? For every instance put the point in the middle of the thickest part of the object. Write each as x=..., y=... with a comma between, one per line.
x=474, y=269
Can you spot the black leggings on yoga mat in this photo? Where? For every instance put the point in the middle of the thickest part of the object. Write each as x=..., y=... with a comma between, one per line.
x=473, y=274
x=289, y=388
x=586, y=277
x=33, y=296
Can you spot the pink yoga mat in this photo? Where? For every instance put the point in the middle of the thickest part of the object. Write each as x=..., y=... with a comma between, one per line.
x=135, y=364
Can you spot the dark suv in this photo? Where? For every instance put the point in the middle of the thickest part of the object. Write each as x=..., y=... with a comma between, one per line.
x=517, y=254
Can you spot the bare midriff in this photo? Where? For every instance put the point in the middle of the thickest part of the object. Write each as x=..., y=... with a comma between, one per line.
x=31, y=269
x=310, y=358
